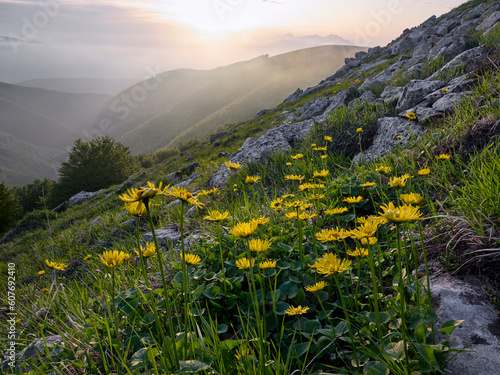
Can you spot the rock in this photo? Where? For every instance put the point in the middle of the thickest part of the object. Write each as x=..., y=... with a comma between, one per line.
x=187, y=181
x=173, y=177
x=339, y=100
x=216, y=136
x=392, y=93
x=314, y=108
x=34, y=350
x=191, y=167
x=389, y=128
x=366, y=97
x=222, y=154
x=489, y=21
x=279, y=138
x=61, y=207
x=127, y=184
x=82, y=196
x=449, y=101
x=261, y=113
x=454, y=299
x=297, y=94
x=96, y=221
x=167, y=236
x=415, y=91
x=191, y=241
x=470, y=59
x=424, y=114
x=191, y=212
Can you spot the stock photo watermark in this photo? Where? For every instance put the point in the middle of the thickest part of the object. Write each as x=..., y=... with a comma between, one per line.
x=221, y=7
x=12, y=316
x=31, y=26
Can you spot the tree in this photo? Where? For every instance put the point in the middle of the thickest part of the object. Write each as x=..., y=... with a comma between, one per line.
x=31, y=196
x=93, y=165
x=9, y=209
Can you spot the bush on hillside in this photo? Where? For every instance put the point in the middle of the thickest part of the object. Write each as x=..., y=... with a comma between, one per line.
x=9, y=208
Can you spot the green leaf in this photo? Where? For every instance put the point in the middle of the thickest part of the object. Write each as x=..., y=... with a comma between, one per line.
x=449, y=326
x=288, y=290
x=375, y=368
x=179, y=278
x=286, y=247
x=421, y=333
x=383, y=316
x=299, y=349
x=191, y=367
x=341, y=328
x=300, y=297
x=281, y=307
x=310, y=327
x=427, y=353
x=139, y=359
x=222, y=328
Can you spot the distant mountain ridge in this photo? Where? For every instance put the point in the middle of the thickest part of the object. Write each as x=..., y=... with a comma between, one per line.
x=185, y=104
x=81, y=85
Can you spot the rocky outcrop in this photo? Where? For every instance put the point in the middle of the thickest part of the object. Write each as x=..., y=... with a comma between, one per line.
x=82, y=196
x=167, y=237
x=216, y=136
x=32, y=352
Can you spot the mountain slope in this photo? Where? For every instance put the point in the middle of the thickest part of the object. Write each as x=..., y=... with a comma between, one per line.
x=186, y=103
x=81, y=85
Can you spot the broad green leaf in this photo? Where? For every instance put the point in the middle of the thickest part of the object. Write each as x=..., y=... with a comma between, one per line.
x=288, y=290
x=449, y=326
x=375, y=368
x=299, y=349
x=139, y=359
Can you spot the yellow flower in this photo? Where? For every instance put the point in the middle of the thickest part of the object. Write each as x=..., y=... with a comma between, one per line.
x=137, y=208
x=260, y=220
x=215, y=215
x=302, y=216
x=244, y=263
x=328, y=138
x=259, y=246
x=330, y=264
x=443, y=156
x=322, y=174
x=308, y=186
x=55, y=265
x=361, y=220
x=46, y=290
x=232, y=166
x=191, y=259
x=319, y=148
x=336, y=211
x=359, y=252
x=299, y=310
x=244, y=230
x=369, y=241
x=147, y=251
x=87, y=257
x=383, y=169
x=288, y=163
x=242, y=353
x=267, y=265
x=368, y=229
x=412, y=198
x=359, y=130
x=41, y=272
x=313, y=145
x=113, y=258
x=323, y=156
x=399, y=137
x=184, y=195
x=399, y=182
x=293, y=177
x=134, y=195
x=276, y=204
x=296, y=157
x=353, y=200
x=252, y=179
x=295, y=204
x=333, y=234
x=288, y=196
x=445, y=90
x=401, y=214
x=411, y=115
x=338, y=83
x=424, y=171
x=316, y=287
x=208, y=192
x=368, y=184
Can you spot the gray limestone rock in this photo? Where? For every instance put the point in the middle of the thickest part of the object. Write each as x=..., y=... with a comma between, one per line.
x=96, y=221
x=424, y=113
x=415, y=91
x=339, y=100
x=391, y=93
x=449, y=101
x=314, y=108
x=216, y=136
x=489, y=21
x=386, y=138
x=33, y=351
x=367, y=97
x=127, y=184
x=470, y=58
x=167, y=236
x=454, y=299
x=82, y=196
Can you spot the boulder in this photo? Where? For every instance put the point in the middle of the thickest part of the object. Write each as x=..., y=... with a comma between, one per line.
x=126, y=185
x=61, y=207
x=280, y=138
x=82, y=196
x=386, y=137
x=339, y=100
x=167, y=236
x=489, y=21
x=415, y=92
x=391, y=93
x=297, y=94
x=366, y=97
x=314, y=108
x=222, y=154
x=216, y=136
x=449, y=101
x=454, y=299
x=261, y=113
x=470, y=59
x=424, y=113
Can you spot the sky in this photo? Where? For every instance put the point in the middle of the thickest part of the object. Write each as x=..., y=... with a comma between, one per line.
x=135, y=39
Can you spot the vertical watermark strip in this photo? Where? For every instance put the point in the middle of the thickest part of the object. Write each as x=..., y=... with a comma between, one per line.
x=12, y=315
